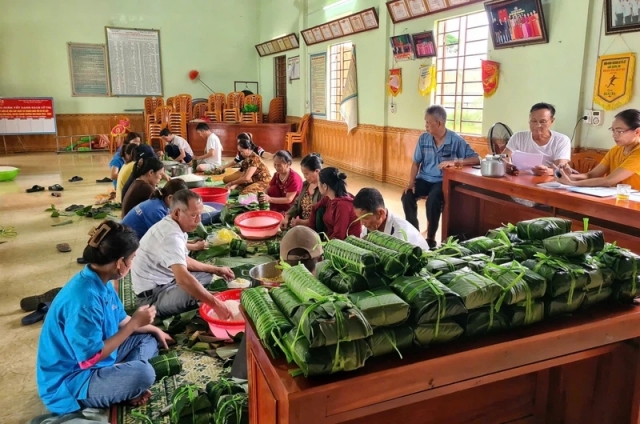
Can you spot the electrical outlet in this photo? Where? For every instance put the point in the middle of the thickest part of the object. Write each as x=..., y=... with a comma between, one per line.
x=392, y=108
x=589, y=115
x=597, y=117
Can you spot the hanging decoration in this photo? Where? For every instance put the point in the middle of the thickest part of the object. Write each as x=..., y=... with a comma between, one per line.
x=614, y=80
x=427, y=79
x=349, y=103
x=195, y=75
x=394, y=83
x=490, y=74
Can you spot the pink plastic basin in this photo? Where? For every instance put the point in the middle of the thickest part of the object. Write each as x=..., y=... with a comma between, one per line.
x=212, y=194
x=258, y=225
x=222, y=329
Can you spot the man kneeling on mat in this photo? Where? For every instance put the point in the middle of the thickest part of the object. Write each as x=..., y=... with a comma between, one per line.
x=163, y=275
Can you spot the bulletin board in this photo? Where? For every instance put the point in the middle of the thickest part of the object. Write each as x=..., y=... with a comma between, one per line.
x=27, y=116
x=318, y=85
x=88, y=69
x=134, y=62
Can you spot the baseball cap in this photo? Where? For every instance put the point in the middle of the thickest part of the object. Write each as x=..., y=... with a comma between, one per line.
x=300, y=243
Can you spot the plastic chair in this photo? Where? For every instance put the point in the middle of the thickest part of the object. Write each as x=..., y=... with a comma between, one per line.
x=162, y=114
x=199, y=110
x=183, y=103
x=299, y=136
x=276, y=111
x=217, y=102
x=585, y=162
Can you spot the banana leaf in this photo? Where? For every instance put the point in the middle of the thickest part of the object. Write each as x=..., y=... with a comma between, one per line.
x=235, y=262
x=230, y=211
x=622, y=262
x=598, y=274
x=626, y=291
x=346, y=356
x=527, y=250
x=485, y=321
x=595, y=296
x=475, y=290
x=188, y=400
x=348, y=282
x=482, y=244
x=232, y=409
x=562, y=305
x=561, y=276
x=197, y=418
x=429, y=299
x=223, y=386
x=444, y=264
x=381, y=307
x=518, y=283
x=211, y=252
x=508, y=230
x=478, y=261
x=542, y=228
x=575, y=243
x=451, y=247
x=389, y=340
x=441, y=332
x=287, y=302
x=166, y=365
x=330, y=322
x=525, y=314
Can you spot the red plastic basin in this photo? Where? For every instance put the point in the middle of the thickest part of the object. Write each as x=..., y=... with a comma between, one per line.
x=222, y=329
x=212, y=194
x=258, y=225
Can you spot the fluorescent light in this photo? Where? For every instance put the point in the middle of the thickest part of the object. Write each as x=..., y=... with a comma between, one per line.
x=279, y=36
x=338, y=3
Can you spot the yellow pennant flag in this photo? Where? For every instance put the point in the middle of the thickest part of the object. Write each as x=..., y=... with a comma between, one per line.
x=614, y=80
x=427, y=79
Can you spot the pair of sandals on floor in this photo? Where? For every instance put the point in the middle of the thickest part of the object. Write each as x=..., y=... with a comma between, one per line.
x=55, y=187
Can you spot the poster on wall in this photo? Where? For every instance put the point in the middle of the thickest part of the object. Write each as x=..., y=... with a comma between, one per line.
x=318, y=84
x=88, y=68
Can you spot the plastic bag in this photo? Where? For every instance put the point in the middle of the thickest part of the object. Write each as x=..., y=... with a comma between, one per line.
x=222, y=236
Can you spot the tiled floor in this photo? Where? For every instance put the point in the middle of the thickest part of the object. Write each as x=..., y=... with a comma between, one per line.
x=30, y=263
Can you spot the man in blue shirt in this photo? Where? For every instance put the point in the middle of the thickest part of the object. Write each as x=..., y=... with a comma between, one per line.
x=437, y=148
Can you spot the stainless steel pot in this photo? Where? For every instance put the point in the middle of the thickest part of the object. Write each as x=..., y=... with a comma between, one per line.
x=268, y=271
x=178, y=169
x=493, y=166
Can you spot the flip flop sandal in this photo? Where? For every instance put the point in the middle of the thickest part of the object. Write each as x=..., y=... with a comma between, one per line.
x=105, y=180
x=56, y=187
x=74, y=208
x=63, y=247
x=37, y=315
x=75, y=179
x=35, y=189
x=56, y=194
x=31, y=303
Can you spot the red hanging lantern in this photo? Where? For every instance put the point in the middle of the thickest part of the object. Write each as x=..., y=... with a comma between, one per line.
x=193, y=75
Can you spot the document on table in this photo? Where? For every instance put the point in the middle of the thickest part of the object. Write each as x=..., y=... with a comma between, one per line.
x=526, y=161
x=597, y=191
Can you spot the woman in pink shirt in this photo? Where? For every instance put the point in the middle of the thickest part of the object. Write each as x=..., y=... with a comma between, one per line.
x=285, y=185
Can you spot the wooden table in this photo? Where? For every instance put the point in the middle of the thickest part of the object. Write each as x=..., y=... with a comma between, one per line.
x=579, y=370
x=270, y=137
x=475, y=204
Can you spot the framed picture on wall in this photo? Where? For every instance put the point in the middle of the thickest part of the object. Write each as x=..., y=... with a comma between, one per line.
x=293, y=39
x=622, y=16
x=402, y=47
x=326, y=32
x=318, y=35
x=308, y=37
x=424, y=44
x=345, y=24
x=516, y=23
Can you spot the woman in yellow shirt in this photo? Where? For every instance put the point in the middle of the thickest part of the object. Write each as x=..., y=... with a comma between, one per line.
x=621, y=165
x=125, y=171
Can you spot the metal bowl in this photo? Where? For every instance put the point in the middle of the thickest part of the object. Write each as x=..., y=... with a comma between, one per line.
x=178, y=169
x=269, y=270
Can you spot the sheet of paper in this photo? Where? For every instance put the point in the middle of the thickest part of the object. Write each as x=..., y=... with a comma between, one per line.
x=595, y=191
x=526, y=161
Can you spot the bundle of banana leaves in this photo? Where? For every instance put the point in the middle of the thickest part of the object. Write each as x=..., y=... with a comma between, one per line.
x=598, y=275
x=451, y=247
x=482, y=244
x=349, y=258
x=438, y=332
x=563, y=304
x=542, y=228
x=624, y=264
x=390, y=339
x=508, y=230
x=518, y=283
x=166, y=365
x=189, y=405
x=475, y=290
x=238, y=247
x=484, y=321
x=344, y=356
x=575, y=243
x=527, y=250
x=303, y=284
x=429, y=299
x=222, y=386
x=347, y=282
x=381, y=307
x=562, y=276
x=391, y=263
x=414, y=253
x=478, y=261
x=595, y=296
x=626, y=291
x=444, y=264
x=232, y=409
x=525, y=313
x=211, y=252
x=270, y=324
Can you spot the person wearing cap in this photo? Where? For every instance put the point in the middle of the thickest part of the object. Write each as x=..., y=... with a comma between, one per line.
x=371, y=211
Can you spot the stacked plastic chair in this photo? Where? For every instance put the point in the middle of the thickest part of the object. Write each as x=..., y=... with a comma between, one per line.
x=235, y=102
x=255, y=99
x=183, y=103
x=156, y=122
x=276, y=111
x=199, y=110
x=178, y=124
x=299, y=136
x=216, y=107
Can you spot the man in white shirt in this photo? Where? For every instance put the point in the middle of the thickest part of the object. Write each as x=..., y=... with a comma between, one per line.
x=163, y=275
x=212, y=157
x=177, y=148
x=370, y=209
x=553, y=146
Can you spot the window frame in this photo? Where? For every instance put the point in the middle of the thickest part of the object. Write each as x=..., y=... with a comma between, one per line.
x=337, y=74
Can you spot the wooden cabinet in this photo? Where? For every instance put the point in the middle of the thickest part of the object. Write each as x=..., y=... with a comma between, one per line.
x=579, y=370
x=271, y=137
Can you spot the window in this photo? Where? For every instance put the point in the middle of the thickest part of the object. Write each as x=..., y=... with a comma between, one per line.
x=339, y=61
x=280, y=65
x=462, y=44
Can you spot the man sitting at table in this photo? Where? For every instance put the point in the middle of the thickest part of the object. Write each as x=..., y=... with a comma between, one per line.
x=163, y=274
x=370, y=209
x=177, y=148
x=541, y=139
x=437, y=148
x=212, y=157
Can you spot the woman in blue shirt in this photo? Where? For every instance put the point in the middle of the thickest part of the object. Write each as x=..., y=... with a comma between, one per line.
x=91, y=354
x=146, y=214
x=119, y=158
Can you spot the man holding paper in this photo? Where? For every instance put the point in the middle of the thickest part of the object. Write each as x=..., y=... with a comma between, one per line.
x=550, y=147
